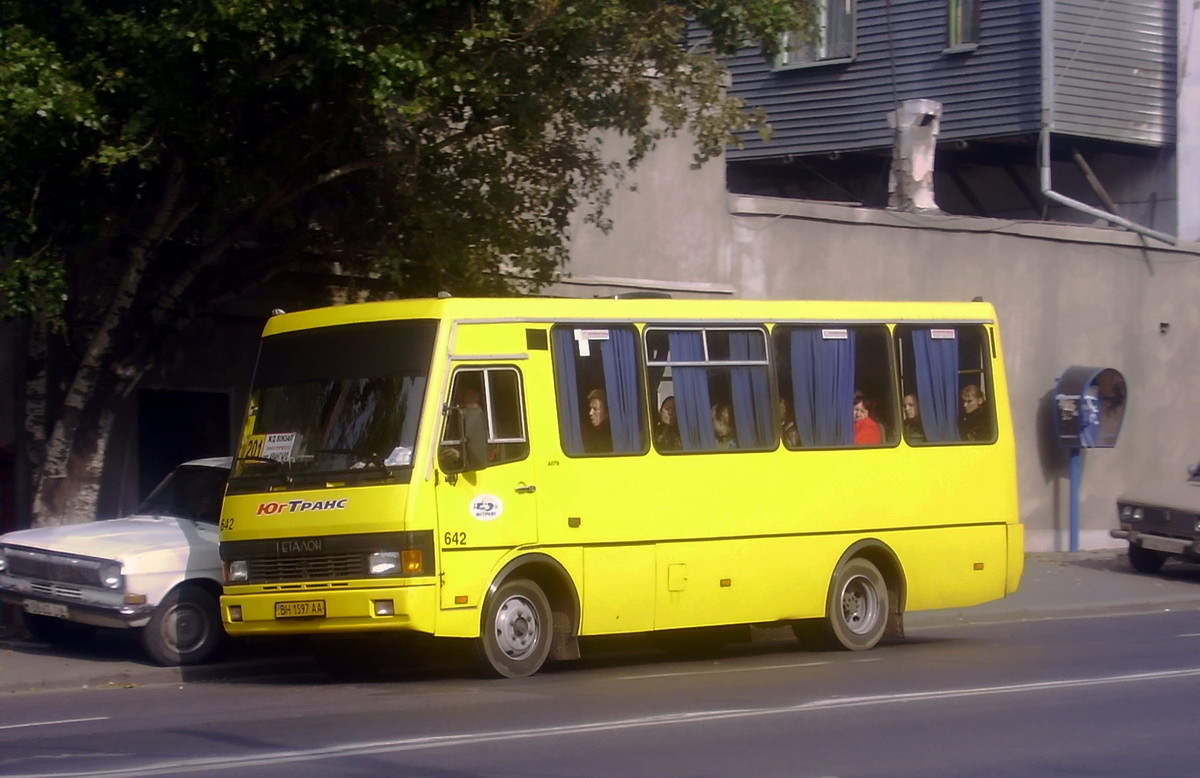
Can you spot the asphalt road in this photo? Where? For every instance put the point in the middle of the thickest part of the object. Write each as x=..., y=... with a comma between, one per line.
x=1098, y=695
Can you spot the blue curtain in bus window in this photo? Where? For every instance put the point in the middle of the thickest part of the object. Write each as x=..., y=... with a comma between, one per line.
x=619, y=357
x=823, y=387
x=751, y=392
x=693, y=408
x=936, y=361
x=568, y=391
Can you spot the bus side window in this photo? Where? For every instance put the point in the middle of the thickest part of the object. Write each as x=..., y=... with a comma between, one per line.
x=945, y=381
x=596, y=378
x=495, y=394
x=717, y=378
x=824, y=373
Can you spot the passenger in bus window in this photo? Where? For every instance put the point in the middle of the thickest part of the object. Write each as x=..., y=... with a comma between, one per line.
x=914, y=430
x=666, y=429
x=787, y=425
x=975, y=423
x=722, y=417
x=597, y=433
x=867, y=431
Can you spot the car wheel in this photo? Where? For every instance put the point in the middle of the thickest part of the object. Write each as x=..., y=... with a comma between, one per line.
x=514, y=637
x=56, y=631
x=185, y=629
x=1145, y=560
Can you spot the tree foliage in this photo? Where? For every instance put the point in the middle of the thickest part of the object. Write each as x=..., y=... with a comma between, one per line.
x=155, y=154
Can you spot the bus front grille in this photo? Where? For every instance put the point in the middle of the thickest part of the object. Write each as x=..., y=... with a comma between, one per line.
x=309, y=568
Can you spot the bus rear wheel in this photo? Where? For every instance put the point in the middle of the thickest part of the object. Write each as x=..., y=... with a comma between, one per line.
x=514, y=639
x=856, y=610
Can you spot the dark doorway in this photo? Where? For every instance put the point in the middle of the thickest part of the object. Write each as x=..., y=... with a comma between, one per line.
x=175, y=426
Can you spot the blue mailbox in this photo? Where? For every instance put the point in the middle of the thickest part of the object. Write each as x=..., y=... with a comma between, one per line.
x=1089, y=405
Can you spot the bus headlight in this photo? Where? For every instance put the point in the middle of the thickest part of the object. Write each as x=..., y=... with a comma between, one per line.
x=237, y=571
x=384, y=562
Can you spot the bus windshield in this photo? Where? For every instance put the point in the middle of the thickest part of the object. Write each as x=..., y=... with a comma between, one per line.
x=339, y=400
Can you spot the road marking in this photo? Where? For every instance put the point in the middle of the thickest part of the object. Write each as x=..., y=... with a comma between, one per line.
x=1190, y=635
x=718, y=671
x=52, y=723
x=244, y=761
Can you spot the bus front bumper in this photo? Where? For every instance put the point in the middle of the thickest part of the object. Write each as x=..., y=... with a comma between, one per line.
x=403, y=608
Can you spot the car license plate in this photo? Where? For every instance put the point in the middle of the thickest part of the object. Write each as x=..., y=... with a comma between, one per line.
x=301, y=609
x=39, y=608
x=1170, y=545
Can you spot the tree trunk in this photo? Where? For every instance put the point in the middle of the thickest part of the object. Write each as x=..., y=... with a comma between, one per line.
x=73, y=461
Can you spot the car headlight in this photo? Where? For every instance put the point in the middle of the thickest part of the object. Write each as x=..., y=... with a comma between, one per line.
x=1137, y=514
x=1126, y=513
x=384, y=562
x=110, y=576
x=237, y=571
x=3, y=559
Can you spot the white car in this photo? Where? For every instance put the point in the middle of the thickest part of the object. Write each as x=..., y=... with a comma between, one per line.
x=1161, y=522
x=158, y=570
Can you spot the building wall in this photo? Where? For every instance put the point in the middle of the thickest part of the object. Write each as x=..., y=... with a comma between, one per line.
x=1114, y=69
x=991, y=91
x=1065, y=295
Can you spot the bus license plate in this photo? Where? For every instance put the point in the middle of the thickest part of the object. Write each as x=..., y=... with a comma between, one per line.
x=46, y=609
x=302, y=609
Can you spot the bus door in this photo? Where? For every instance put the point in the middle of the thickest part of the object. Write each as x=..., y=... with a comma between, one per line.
x=485, y=484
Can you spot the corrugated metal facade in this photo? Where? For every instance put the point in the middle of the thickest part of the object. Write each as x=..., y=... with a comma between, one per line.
x=1107, y=91
x=1114, y=69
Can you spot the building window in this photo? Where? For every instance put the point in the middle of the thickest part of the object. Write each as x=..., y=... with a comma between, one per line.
x=962, y=23
x=834, y=38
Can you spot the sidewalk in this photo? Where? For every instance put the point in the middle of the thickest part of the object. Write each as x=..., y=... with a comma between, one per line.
x=1053, y=585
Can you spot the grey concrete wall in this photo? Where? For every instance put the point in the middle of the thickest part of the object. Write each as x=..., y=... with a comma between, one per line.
x=1065, y=295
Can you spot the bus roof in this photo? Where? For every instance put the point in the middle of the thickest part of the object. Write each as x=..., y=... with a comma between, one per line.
x=609, y=310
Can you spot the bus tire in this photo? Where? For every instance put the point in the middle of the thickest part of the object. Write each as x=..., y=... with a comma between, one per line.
x=856, y=612
x=1145, y=560
x=515, y=635
x=185, y=629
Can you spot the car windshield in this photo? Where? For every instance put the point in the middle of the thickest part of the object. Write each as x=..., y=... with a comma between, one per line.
x=189, y=492
x=342, y=400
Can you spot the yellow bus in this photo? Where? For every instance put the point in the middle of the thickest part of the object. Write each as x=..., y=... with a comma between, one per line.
x=525, y=472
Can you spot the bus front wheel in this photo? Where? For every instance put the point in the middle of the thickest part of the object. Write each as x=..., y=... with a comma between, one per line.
x=856, y=610
x=515, y=637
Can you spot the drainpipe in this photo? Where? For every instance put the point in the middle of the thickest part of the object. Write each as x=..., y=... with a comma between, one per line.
x=1048, y=97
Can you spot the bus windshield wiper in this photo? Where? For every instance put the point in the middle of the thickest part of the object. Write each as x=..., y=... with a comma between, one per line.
x=282, y=466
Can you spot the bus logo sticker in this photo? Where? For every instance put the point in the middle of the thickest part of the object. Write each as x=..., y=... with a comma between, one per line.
x=486, y=507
